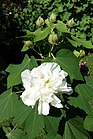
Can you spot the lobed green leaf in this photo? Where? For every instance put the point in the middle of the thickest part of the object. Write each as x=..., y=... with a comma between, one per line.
x=61, y=27
x=41, y=34
x=14, y=77
x=17, y=134
x=85, y=95
x=74, y=129
x=69, y=63
x=8, y=101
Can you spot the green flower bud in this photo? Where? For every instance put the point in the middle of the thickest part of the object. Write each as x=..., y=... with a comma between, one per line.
x=28, y=44
x=76, y=53
x=47, y=22
x=52, y=17
x=70, y=23
x=53, y=38
x=82, y=53
x=40, y=21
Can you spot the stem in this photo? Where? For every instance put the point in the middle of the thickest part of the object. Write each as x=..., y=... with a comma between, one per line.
x=39, y=53
x=53, y=56
x=51, y=50
x=19, y=92
x=39, y=59
x=14, y=128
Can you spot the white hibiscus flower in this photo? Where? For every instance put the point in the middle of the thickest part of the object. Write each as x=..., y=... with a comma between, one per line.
x=42, y=84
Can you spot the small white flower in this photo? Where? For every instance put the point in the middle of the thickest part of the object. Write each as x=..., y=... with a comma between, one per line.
x=42, y=84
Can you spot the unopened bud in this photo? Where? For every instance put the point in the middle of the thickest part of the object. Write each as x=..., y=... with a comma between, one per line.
x=52, y=17
x=53, y=38
x=47, y=22
x=28, y=44
x=70, y=23
x=40, y=21
x=82, y=53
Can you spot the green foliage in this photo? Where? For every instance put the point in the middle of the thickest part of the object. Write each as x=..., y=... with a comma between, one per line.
x=52, y=124
x=16, y=134
x=88, y=122
x=66, y=59
x=74, y=129
x=85, y=95
x=88, y=59
x=8, y=101
x=14, y=77
x=41, y=34
x=61, y=27
x=65, y=32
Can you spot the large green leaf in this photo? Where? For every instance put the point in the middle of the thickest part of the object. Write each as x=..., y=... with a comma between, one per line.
x=16, y=134
x=29, y=118
x=85, y=96
x=74, y=129
x=14, y=77
x=69, y=63
x=34, y=124
x=88, y=122
x=61, y=27
x=8, y=101
x=51, y=124
x=41, y=34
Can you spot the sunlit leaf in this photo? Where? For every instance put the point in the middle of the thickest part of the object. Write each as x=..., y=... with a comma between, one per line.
x=14, y=77
x=74, y=43
x=85, y=95
x=61, y=27
x=8, y=101
x=41, y=34
x=84, y=43
x=69, y=63
x=74, y=129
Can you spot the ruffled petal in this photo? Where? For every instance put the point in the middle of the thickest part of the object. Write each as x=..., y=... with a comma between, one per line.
x=56, y=102
x=43, y=108
x=27, y=100
x=25, y=75
x=29, y=97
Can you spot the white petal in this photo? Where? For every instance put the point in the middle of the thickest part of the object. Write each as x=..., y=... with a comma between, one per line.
x=25, y=75
x=67, y=90
x=56, y=102
x=43, y=108
x=29, y=97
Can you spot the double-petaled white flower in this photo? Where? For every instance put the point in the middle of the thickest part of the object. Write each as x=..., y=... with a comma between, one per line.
x=42, y=84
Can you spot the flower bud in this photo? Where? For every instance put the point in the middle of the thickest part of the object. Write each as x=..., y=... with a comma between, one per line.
x=28, y=44
x=70, y=23
x=40, y=21
x=53, y=38
x=82, y=53
x=47, y=22
x=52, y=17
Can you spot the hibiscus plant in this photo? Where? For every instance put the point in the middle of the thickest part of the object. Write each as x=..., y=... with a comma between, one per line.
x=48, y=95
